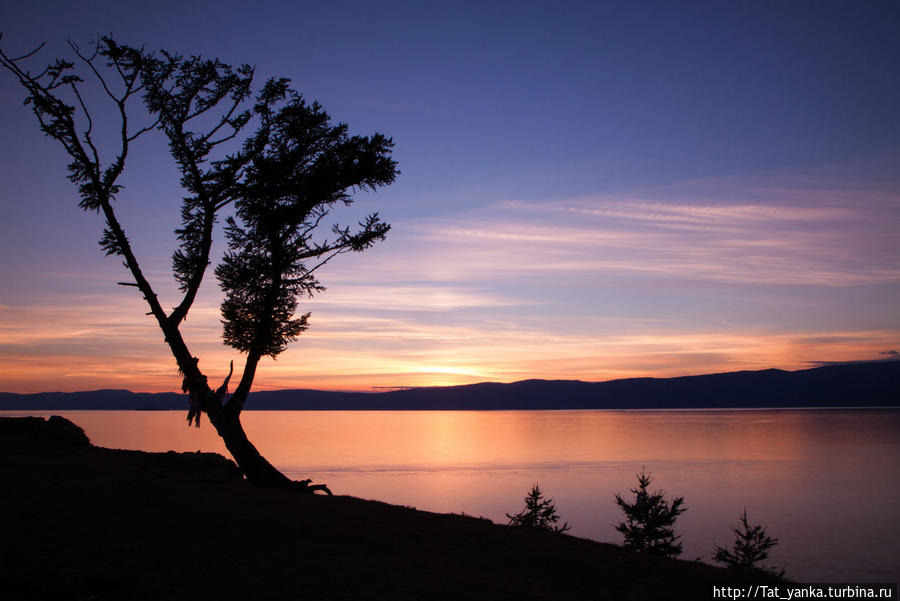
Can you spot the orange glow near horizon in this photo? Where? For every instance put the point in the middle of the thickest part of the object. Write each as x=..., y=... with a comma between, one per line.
x=371, y=363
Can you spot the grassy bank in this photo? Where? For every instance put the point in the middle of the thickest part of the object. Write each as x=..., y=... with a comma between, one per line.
x=84, y=522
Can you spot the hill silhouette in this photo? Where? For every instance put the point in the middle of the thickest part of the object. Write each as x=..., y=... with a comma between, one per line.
x=873, y=384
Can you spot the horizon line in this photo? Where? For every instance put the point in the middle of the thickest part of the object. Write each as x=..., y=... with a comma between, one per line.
x=386, y=389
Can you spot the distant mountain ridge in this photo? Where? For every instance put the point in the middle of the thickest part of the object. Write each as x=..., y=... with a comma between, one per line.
x=874, y=384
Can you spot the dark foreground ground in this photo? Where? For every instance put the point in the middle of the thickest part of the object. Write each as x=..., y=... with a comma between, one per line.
x=84, y=522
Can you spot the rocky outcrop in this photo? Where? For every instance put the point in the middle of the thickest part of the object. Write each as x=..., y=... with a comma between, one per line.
x=56, y=431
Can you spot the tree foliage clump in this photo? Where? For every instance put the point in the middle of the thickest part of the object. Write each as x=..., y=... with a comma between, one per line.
x=751, y=547
x=650, y=520
x=539, y=513
x=303, y=166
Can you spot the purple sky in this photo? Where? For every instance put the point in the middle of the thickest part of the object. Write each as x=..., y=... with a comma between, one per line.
x=589, y=190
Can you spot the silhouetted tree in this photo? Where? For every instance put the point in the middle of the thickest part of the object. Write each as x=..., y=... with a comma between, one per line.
x=538, y=513
x=280, y=180
x=751, y=546
x=650, y=519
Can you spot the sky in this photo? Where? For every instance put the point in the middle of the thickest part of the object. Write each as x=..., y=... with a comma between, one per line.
x=588, y=190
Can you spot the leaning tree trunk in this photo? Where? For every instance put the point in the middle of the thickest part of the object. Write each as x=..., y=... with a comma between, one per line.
x=252, y=464
x=226, y=419
x=255, y=467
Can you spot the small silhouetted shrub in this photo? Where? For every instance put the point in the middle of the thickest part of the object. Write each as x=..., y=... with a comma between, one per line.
x=538, y=513
x=751, y=547
x=650, y=520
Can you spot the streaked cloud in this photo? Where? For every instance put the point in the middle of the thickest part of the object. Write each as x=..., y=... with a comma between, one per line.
x=805, y=236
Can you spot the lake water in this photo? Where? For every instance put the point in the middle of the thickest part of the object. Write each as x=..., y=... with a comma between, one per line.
x=825, y=482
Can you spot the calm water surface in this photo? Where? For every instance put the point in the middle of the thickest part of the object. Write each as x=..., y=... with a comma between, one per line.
x=825, y=482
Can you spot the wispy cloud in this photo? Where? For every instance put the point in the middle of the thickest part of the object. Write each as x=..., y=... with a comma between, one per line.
x=421, y=296
x=730, y=216
x=783, y=237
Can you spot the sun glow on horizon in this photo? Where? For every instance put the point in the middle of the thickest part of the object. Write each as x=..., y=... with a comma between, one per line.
x=496, y=357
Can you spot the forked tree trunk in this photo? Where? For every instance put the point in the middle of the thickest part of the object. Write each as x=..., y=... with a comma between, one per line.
x=226, y=419
x=255, y=467
x=252, y=464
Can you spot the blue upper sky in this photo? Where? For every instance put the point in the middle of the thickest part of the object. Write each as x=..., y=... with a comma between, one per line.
x=588, y=189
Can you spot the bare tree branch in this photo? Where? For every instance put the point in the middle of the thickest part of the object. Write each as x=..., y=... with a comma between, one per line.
x=90, y=63
x=29, y=54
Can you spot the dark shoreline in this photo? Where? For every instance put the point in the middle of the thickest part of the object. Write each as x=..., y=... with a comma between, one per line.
x=84, y=522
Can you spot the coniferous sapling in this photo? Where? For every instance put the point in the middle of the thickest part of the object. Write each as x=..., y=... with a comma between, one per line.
x=539, y=513
x=751, y=546
x=650, y=519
